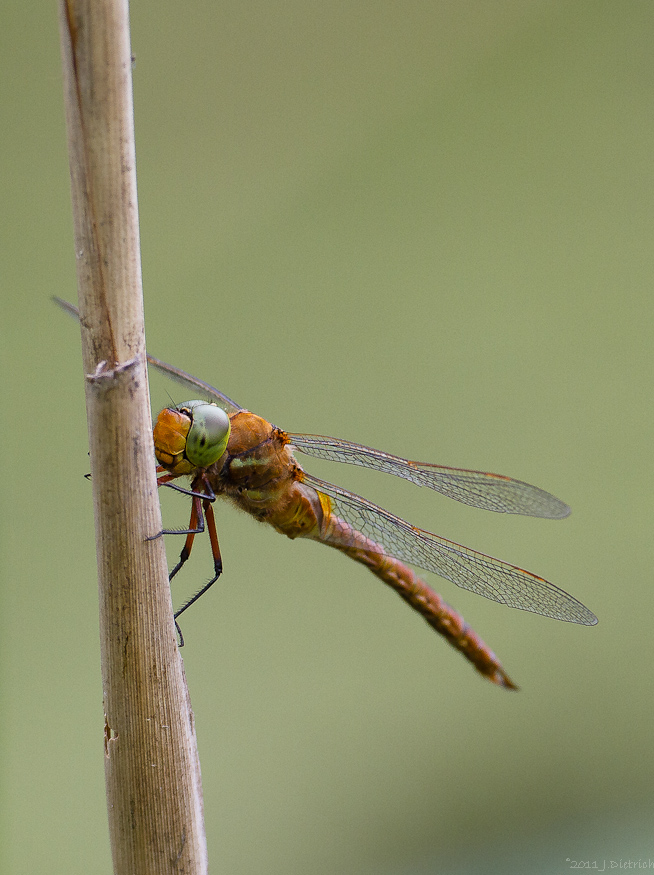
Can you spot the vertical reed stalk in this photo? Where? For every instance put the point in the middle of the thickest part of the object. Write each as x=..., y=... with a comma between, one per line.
x=152, y=770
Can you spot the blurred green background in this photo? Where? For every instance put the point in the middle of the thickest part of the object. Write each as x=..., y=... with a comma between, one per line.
x=426, y=227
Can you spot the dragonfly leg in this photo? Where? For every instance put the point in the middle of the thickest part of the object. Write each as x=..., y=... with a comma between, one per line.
x=217, y=560
x=202, y=495
x=201, y=502
x=195, y=527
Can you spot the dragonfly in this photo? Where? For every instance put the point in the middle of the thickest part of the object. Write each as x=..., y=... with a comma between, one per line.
x=229, y=452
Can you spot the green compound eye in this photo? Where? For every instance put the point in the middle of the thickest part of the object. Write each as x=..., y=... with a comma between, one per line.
x=208, y=435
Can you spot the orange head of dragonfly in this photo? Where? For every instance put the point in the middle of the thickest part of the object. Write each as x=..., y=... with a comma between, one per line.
x=190, y=436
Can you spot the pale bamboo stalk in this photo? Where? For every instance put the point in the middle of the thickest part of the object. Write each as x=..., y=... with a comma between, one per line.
x=154, y=793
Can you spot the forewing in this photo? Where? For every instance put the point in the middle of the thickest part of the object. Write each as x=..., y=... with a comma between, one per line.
x=477, y=488
x=192, y=383
x=488, y=577
x=195, y=385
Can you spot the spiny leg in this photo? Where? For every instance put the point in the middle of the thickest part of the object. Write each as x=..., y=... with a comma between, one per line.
x=201, y=501
x=196, y=523
x=195, y=527
x=217, y=560
x=201, y=508
x=208, y=495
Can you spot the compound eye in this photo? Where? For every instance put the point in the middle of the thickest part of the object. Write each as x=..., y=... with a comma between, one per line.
x=208, y=435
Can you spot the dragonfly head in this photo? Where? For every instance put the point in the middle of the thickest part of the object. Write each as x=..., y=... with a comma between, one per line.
x=189, y=436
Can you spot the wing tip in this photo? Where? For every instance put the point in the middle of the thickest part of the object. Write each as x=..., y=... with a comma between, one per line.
x=564, y=511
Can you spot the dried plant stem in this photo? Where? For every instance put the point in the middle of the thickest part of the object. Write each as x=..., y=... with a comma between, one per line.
x=152, y=769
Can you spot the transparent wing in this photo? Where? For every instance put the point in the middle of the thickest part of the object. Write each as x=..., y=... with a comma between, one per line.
x=195, y=385
x=488, y=577
x=192, y=383
x=477, y=488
